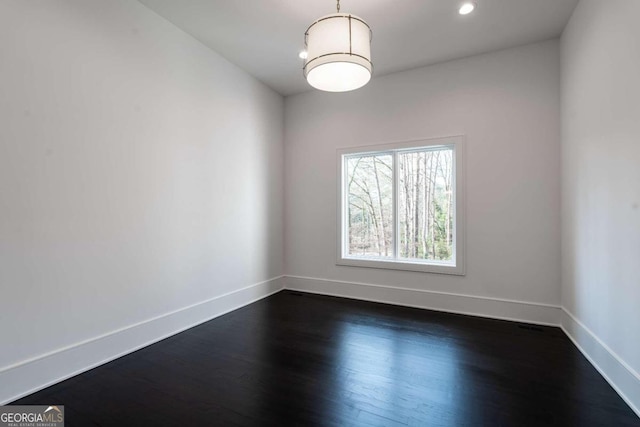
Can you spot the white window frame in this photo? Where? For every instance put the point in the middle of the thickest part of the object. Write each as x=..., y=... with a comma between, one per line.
x=457, y=143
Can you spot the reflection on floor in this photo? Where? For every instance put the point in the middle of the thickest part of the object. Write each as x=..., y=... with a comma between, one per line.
x=305, y=360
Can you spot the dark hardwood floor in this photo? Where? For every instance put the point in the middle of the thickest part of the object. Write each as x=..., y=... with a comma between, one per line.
x=303, y=360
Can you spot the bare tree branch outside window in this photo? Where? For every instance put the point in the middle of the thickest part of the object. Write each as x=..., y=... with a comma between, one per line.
x=424, y=216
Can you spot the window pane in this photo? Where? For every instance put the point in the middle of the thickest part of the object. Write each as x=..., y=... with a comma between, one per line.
x=369, y=183
x=425, y=204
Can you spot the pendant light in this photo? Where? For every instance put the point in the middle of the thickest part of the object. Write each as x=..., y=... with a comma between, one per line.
x=338, y=53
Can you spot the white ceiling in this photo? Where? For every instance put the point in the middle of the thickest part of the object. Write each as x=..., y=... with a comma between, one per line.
x=264, y=37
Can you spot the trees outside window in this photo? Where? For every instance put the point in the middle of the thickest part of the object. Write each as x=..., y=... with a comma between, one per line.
x=400, y=206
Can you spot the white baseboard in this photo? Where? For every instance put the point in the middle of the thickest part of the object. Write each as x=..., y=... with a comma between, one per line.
x=622, y=377
x=494, y=308
x=31, y=375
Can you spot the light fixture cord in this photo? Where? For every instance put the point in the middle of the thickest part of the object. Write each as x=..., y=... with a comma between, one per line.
x=338, y=6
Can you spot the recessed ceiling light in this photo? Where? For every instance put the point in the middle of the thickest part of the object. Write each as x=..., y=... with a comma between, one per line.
x=467, y=8
x=303, y=54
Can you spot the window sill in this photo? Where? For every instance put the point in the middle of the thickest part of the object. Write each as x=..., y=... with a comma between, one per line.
x=457, y=270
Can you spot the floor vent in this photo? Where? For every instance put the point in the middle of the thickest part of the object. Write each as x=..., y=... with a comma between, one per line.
x=531, y=328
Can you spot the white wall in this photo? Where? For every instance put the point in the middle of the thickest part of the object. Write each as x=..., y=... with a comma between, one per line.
x=507, y=103
x=140, y=173
x=601, y=188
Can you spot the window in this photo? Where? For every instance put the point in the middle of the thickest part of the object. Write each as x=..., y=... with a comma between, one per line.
x=401, y=206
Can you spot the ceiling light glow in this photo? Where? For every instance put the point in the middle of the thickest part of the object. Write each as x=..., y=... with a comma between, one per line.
x=338, y=48
x=467, y=8
x=303, y=54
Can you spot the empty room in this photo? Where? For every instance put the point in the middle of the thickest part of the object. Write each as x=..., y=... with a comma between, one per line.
x=319, y=213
